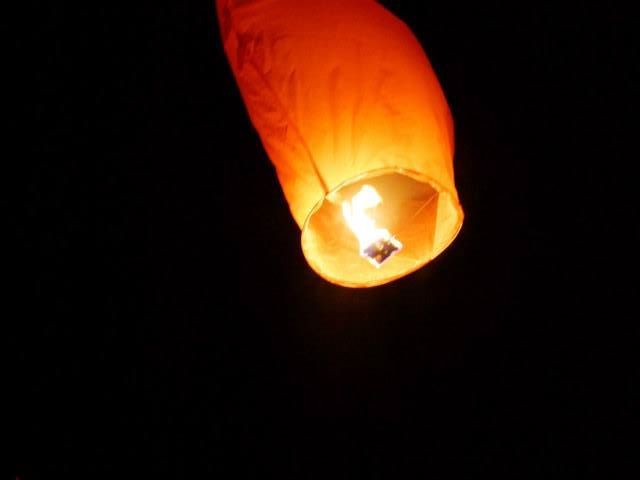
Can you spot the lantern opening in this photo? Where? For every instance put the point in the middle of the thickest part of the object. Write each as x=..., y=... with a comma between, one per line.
x=422, y=214
x=376, y=244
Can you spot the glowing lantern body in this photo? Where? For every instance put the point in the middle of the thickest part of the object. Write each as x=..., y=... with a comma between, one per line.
x=347, y=104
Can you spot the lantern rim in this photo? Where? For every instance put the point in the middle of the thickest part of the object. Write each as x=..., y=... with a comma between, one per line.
x=450, y=195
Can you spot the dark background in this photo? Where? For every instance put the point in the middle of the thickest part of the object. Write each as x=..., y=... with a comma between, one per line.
x=171, y=327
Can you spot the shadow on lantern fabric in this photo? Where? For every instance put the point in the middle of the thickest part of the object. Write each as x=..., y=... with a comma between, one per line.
x=356, y=124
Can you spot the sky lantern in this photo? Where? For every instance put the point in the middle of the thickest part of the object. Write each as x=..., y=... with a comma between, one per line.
x=357, y=127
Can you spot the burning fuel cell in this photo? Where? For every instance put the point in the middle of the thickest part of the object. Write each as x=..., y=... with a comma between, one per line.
x=376, y=244
x=378, y=252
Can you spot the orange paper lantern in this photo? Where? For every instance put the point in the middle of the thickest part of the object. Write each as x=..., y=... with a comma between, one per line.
x=356, y=124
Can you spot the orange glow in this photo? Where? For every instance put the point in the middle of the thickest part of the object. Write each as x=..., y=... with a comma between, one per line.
x=357, y=127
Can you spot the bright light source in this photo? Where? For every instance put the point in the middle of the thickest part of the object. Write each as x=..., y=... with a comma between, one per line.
x=376, y=244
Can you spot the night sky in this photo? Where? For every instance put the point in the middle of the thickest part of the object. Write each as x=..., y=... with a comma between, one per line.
x=171, y=327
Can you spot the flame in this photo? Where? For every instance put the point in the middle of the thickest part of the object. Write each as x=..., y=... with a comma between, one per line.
x=376, y=244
